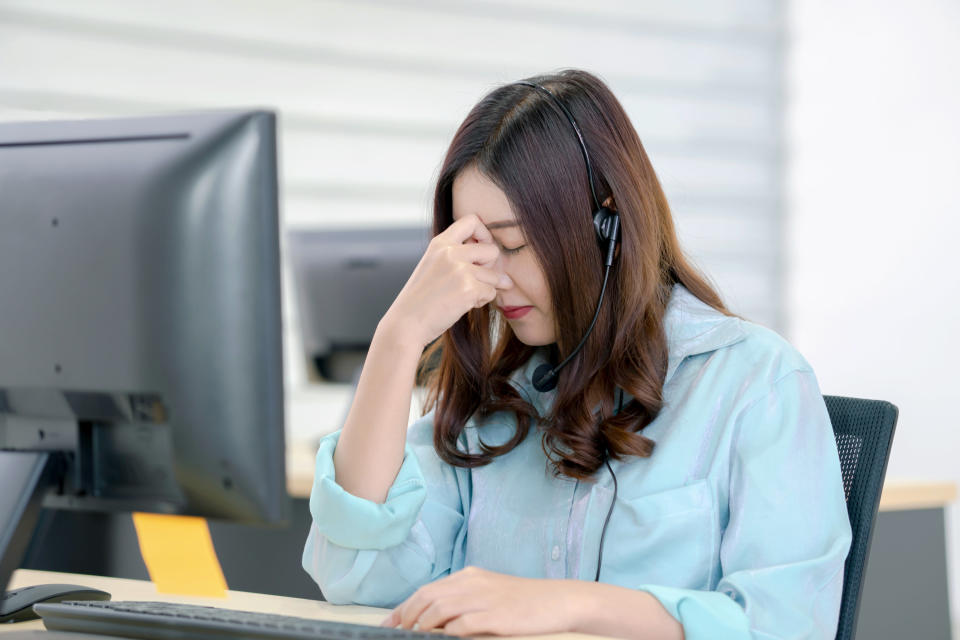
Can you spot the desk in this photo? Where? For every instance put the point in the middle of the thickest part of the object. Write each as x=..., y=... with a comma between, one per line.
x=908, y=495
x=123, y=589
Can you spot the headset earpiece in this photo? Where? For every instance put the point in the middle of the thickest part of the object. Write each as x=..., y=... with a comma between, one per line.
x=607, y=223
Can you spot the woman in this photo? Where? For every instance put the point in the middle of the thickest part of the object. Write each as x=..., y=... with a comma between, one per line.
x=680, y=480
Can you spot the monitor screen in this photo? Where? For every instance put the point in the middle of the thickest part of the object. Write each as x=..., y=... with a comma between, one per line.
x=346, y=279
x=140, y=342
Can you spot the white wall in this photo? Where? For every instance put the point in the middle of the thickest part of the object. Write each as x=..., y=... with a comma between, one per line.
x=873, y=217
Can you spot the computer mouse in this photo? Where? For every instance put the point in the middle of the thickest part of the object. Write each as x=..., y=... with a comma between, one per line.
x=17, y=605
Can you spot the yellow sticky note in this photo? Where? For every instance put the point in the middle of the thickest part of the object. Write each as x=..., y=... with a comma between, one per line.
x=179, y=555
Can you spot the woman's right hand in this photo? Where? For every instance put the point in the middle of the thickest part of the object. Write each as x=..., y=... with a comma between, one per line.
x=454, y=275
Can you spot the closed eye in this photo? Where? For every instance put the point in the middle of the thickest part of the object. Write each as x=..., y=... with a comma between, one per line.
x=513, y=251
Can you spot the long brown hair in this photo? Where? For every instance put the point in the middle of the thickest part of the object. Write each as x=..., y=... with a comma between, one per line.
x=519, y=139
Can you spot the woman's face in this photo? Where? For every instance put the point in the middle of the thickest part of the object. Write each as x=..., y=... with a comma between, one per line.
x=526, y=302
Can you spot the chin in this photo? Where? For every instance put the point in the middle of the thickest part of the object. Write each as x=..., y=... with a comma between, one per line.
x=534, y=338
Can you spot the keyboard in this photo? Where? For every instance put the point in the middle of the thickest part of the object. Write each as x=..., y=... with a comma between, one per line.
x=165, y=621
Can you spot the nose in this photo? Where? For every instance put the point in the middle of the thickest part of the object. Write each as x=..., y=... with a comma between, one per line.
x=505, y=281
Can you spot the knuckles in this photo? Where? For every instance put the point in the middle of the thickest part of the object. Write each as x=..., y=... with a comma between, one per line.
x=444, y=609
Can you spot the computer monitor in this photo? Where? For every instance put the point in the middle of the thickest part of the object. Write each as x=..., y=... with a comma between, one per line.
x=140, y=332
x=346, y=279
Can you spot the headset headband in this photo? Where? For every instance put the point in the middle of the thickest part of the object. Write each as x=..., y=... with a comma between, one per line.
x=583, y=146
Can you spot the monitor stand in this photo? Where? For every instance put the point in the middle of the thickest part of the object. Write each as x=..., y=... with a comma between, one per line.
x=25, y=477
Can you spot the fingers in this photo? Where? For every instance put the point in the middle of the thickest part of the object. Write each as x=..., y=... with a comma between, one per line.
x=410, y=610
x=471, y=624
x=491, y=278
x=442, y=610
x=465, y=228
x=391, y=620
x=485, y=295
x=459, y=604
x=434, y=605
x=476, y=253
x=477, y=258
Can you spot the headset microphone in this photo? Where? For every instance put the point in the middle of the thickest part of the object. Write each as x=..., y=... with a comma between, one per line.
x=606, y=223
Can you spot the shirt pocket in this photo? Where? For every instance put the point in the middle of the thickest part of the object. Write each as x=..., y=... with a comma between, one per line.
x=666, y=538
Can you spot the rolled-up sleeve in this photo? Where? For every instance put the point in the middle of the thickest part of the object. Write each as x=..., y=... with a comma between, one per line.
x=783, y=550
x=362, y=552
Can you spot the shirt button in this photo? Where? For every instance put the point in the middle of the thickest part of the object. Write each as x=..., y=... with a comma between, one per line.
x=555, y=554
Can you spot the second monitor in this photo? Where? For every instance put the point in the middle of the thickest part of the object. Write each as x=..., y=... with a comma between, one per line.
x=346, y=279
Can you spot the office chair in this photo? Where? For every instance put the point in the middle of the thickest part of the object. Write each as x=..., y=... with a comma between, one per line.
x=864, y=433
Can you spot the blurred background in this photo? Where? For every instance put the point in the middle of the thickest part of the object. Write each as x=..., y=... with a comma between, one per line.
x=808, y=148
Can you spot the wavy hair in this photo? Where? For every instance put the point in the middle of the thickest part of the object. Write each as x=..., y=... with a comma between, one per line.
x=519, y=139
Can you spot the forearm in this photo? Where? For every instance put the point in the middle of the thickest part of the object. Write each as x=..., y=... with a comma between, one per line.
x=370, y=449
x=609, y=610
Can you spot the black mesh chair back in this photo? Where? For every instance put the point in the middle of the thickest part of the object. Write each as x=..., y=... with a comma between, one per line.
x=864, y=432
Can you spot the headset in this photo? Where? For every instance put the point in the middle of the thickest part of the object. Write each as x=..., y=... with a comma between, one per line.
x=606, y=223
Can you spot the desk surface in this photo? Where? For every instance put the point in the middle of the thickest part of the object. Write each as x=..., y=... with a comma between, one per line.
x=123, y=589
x=317, y=409
x=899, y=494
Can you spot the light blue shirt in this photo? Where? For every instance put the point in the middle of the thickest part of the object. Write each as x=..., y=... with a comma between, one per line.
x=737, y=524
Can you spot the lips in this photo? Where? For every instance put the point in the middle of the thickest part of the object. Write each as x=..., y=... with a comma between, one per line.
x=514, y=312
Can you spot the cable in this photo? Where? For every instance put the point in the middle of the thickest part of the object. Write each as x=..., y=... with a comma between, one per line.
x=603, y=533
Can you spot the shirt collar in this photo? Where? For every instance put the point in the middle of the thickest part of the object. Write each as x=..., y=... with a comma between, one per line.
x=692, y=327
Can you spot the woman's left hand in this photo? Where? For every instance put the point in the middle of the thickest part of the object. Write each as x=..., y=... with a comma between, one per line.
x=475, y=601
